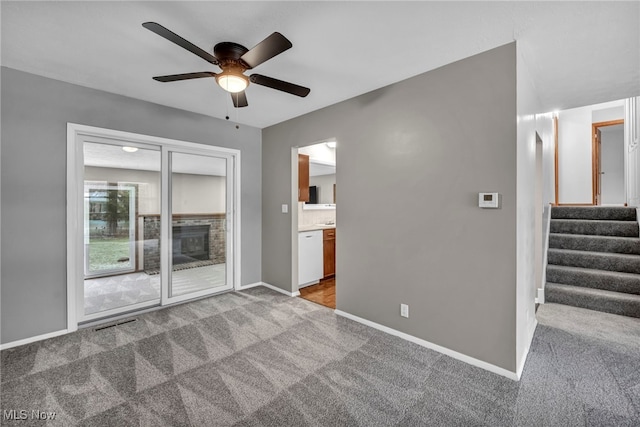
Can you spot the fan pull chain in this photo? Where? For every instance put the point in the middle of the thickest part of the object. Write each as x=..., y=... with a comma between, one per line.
x=237, y=112
x=226, y=106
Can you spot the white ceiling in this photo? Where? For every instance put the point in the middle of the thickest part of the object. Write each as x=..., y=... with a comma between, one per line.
x=579, y=53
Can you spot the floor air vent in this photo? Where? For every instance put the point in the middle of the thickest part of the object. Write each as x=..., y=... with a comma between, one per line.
x=111, y=325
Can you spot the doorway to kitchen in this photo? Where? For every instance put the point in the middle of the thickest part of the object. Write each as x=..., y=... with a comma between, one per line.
x=316, y=223
x=150, y=221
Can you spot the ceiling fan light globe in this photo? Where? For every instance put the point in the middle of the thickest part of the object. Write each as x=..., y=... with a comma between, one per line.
x=231, y=82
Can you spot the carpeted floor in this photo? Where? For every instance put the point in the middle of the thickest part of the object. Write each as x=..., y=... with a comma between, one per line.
x=118, y=291
x=260, y=358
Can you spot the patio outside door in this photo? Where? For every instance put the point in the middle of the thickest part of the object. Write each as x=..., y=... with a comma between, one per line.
x=201, y=193
x=151, y=222
x=121, y=207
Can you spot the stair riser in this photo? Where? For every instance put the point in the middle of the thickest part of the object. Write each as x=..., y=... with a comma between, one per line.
x=587, y=279
x=624, y=308
x=594, y=244
x=621, y=229
x=602, y=213
x=594, y=261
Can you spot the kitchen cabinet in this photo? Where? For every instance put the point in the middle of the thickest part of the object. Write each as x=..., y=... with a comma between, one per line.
x=310, y=248
x=303, y=178
x=329, y=252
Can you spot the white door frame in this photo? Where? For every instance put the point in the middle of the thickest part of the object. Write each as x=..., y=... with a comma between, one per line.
x=76, y=134
x=167, y=226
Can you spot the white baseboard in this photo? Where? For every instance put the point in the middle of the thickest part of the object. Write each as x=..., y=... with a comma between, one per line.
x=451, y=353
x=33, y=339
x=540, y=296
x=526, y=352
x=275, y=288
x=249, y=286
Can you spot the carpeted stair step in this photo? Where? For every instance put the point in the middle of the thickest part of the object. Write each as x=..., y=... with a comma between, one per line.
x=595, y=227
x=596, y=260
x=593, y=299
x=594, y=213
x=597, y=279
x=581, y=242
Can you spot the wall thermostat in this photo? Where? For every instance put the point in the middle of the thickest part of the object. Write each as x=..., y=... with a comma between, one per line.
x=489, y=200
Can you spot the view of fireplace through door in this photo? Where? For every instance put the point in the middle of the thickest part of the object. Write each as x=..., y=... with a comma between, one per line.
x=190, y=243
x=155, y=224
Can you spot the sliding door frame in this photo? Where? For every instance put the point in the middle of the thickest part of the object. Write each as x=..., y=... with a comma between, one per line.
x=76, y=135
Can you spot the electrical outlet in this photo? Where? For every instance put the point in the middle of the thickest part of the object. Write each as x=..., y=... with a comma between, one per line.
x=404, y=310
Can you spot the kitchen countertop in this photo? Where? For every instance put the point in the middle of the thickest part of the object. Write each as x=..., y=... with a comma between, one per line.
x=315, y=227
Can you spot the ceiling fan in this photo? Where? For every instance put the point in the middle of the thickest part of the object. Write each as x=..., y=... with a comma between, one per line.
x=234, y=59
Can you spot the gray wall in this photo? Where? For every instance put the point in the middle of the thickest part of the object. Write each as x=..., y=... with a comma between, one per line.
x=428, y=145
x=35, y=112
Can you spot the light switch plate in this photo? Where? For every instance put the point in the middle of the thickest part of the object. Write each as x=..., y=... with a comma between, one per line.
x=285, y=208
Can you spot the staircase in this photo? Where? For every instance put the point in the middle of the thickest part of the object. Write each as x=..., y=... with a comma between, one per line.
x=594, y=259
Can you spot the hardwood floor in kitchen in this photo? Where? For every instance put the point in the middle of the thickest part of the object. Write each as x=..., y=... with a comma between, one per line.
x=324, y=293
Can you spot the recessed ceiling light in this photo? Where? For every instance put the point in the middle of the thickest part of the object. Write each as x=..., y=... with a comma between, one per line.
x=130, y=149
x=331, y=144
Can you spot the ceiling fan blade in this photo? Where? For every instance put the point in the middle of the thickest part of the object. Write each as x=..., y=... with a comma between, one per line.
x=186, y=76
x=173, y=37
x=279, y=85
x=273, y=45
x=239, y=99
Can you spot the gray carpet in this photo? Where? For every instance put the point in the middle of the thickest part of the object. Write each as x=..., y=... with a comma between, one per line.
x=260, y=358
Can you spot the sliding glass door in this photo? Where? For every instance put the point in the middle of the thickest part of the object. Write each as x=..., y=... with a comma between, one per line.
x=200, y=196
x=156, y=223
x=121, y=206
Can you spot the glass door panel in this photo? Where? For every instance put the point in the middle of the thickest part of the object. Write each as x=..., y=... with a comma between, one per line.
x=109, y=229
x=199, y=201
x=121, y=229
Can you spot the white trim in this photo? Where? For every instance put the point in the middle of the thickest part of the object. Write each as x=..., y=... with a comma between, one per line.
x=277, y=289
x=526, y=351
x=33, y=339
x=545, y=254
x=237, y=216
x=451, y=353
x=249, y=286
x=75, y=158
x=76, y=134
x=120, y=310
x=145, y=139
x=293, y=225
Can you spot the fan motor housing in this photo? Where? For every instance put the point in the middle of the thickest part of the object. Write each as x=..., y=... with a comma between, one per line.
x=229, y=51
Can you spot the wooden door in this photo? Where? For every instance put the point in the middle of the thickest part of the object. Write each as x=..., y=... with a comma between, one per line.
x=598, y=180
x=303, y=178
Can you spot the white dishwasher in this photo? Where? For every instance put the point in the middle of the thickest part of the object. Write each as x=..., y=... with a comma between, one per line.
x=310, y=263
